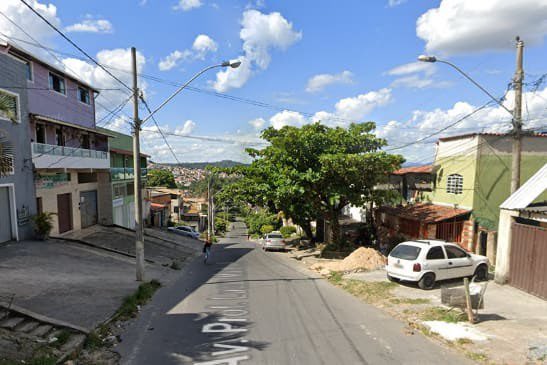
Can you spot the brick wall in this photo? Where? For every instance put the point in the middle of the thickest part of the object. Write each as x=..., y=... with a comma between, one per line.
x=468, y=235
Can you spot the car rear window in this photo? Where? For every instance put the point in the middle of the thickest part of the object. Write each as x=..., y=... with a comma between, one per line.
x=275, y=236
x=406, y=252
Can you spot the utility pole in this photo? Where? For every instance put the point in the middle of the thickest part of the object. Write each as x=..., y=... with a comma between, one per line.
x=139, y=232
x=208, y=206
x=517, y=119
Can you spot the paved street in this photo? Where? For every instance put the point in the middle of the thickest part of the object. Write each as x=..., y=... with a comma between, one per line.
x=247, y=306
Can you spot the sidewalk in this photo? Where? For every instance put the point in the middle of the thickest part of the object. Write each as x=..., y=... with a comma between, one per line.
x=514, y=322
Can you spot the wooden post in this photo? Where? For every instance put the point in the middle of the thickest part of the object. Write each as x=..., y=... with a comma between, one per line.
x=470, y=315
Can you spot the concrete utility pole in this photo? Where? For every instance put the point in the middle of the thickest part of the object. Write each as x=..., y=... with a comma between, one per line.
x=139, y=231
x=517, y=119
x=208, y=206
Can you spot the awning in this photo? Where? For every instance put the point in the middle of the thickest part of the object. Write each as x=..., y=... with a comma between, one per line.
x=425, y=213
x=67, y=124
x=157, y=206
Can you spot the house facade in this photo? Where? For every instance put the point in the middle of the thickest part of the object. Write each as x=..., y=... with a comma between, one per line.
x=17, y=197
x=122, y=175
x=70, y=156
x=471, y=178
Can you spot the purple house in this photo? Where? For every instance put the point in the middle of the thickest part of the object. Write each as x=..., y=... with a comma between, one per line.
x=70, y=156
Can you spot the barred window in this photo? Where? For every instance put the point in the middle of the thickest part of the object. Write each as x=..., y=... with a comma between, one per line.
x=454, y=184
x=9, y=106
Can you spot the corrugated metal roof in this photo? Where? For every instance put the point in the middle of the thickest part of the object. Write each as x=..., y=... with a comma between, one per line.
x=528, y=192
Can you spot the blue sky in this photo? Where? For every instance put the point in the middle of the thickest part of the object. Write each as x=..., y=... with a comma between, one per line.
x=345, y=61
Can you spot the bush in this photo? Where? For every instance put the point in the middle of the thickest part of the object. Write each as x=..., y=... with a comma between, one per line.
x=287, y=231
x=267, y=228
x=220, y=225
x=43, y=224
x=255, y=221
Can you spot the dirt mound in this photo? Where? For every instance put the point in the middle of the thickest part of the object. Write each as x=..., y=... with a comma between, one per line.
x=362, y=259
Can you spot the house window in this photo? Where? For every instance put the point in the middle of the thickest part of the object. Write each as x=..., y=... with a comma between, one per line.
x=83, y=95
x=85, y=141
x=8, y=167
x=454, y=184
x=10, y=101
x=57, y=83
x=59, y=137
x=40, y=133
x=28, y=65
x=119, y=190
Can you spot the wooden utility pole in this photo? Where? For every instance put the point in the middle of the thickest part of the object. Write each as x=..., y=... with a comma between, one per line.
x=139, y=230
x=517, y=119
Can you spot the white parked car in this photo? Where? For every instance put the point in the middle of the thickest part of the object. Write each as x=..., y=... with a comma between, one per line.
x=428, y=261
x=273, y=241
x=184, y=231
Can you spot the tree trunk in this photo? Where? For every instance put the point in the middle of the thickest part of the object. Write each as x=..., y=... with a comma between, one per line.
x=308, y=231
x=335, y=228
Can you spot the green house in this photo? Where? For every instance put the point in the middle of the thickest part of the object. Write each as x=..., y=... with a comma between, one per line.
x=122, y=175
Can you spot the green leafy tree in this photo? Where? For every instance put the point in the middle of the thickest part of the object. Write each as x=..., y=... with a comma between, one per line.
x=161, y=178
x=314, y=171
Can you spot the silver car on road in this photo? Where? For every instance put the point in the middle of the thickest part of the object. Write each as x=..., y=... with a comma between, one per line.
x=273, y=241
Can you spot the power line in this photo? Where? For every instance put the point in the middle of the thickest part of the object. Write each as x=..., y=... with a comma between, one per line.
x=74, y=44
x=159, y=130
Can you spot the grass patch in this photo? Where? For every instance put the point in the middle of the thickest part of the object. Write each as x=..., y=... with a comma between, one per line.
x=129, y=307
x=39, y=360
x=410, y=301
x=463, y=341
x=62, y=338
x=477, y=356
x=441, y=314
x=368, y=291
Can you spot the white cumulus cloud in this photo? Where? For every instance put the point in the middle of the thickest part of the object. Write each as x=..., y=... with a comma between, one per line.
x=91, y=26
x=464, y=26
x=187, y=128
x=357, y=107
x=187, y=5
x=258, y=123
x=287, y=117
x=173, y=59
x=22, y=16
x=260, y=34
x=321, y=81
x=204, y=44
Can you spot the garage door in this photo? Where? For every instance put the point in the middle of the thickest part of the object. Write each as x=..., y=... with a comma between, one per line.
x=5, y=216
x=528, y=265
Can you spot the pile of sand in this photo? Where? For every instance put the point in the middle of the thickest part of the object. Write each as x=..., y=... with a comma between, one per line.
x=362, y=259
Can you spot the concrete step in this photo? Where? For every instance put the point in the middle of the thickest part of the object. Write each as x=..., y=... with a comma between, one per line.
x=75, y=342
x=27, y=326
x=10, y=323
x=3, y=314
x=41, y=330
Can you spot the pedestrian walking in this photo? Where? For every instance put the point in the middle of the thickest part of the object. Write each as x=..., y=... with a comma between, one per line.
x=207, y=250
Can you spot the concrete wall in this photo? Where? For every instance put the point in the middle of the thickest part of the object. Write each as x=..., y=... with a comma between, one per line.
x=503, y=252
x=456, y=157
x=494, y=174
x=104, y=198
x=13, y=73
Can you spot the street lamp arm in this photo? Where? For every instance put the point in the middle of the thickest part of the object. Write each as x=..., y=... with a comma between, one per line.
x=476, y=84
x=180, y=89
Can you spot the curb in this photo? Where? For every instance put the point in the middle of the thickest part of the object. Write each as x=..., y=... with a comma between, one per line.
x=99, y=247
x=43, y=318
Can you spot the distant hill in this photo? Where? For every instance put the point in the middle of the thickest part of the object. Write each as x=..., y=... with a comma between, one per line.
x=202, y=165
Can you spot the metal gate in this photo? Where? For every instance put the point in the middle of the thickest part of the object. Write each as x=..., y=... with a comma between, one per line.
x=528, y=264
x=449, y=231
x=88, y=208
x=5, y=215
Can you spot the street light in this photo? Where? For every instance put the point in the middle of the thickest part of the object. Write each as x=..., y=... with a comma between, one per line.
x=433, y=59
x=232, y=64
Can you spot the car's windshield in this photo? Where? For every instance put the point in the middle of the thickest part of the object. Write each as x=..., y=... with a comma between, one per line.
x=406, y=252
x=275, y=236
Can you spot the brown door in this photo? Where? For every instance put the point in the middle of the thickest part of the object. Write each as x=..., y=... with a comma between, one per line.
x=64, y=212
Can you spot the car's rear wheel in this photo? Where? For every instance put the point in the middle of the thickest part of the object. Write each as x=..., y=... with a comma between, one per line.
x=481, y=273
x=427, y=282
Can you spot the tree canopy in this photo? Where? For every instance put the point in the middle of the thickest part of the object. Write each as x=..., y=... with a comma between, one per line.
x=160, y=178
x=314, y=171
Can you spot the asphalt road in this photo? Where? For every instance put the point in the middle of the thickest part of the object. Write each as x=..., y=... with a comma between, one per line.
x=251, y=307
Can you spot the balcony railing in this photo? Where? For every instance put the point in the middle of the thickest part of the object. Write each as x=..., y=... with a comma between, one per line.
x=125, y=173
x=49, y=149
